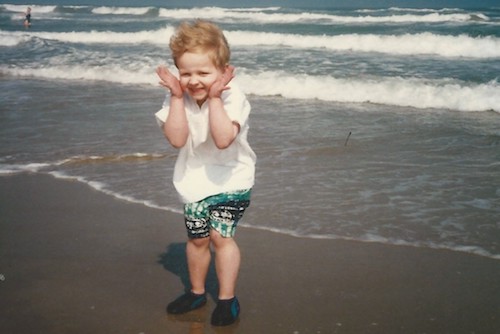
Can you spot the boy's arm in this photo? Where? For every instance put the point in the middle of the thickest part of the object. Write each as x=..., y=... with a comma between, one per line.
x=175, y=128
x=223, y=129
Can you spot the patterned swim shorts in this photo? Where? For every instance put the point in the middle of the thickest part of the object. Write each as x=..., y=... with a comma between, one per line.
x=220, y=212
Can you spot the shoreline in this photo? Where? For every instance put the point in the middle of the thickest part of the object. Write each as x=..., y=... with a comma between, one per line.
x=75, y=260
x=469, y=250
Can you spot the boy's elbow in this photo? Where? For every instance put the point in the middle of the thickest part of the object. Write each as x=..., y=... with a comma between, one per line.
x=223, y=143
x=222, y=146
x=176, y=143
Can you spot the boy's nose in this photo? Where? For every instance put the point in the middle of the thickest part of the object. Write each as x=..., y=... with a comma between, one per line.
x=193, y=80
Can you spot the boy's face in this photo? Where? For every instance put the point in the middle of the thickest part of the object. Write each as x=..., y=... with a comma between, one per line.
x=197, y=73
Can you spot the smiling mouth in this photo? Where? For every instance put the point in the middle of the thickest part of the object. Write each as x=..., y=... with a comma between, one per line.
x=197, y=91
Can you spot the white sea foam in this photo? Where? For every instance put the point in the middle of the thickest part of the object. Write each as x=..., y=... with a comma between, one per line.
x=48, y=168
x=159, y=36
x=226, y=14
x=34, y=167
x=10, y=39
x=85, y=159
x=102, y=187
x=415, y=10
x=371, y=238
x=22, y=8
x=110, y=73
x=419, y=93
x=405, y=44
x=447, y=94
x=256, y=9
x=121, y=10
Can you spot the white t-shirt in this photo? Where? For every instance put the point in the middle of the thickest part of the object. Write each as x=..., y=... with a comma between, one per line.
x=203, y=170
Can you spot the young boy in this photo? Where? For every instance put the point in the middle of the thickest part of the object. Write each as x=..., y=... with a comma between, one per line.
x=214, y=173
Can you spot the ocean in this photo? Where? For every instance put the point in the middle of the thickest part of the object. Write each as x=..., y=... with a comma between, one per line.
x=372, y=125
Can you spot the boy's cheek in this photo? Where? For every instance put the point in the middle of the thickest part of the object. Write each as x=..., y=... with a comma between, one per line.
x=183, y=84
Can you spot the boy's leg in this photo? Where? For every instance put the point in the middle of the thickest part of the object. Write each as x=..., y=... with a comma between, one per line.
x=224, y=216
x=227, y=264
x=198, y=261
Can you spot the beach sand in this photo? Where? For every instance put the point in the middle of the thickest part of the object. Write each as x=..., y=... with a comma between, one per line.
x=74, y=260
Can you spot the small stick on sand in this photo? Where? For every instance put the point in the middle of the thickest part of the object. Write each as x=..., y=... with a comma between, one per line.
x=347, y=139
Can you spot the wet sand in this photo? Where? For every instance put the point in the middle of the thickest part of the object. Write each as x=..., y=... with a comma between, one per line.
x=74, y=260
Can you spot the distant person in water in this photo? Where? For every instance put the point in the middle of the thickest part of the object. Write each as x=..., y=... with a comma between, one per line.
x=27, y=18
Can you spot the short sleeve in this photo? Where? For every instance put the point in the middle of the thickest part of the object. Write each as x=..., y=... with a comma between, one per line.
x=162, y=114
x=236, y=105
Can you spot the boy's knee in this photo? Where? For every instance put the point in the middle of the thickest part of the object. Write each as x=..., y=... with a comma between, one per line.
x=218, y=240
x=199, y=242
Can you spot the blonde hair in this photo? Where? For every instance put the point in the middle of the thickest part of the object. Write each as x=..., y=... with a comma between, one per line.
x=201, y=36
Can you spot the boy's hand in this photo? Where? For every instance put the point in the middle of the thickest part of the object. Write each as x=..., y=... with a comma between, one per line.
x=169, y=81
x=221, y=84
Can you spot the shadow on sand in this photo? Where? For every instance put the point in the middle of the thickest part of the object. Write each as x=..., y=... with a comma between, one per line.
x=174, y=260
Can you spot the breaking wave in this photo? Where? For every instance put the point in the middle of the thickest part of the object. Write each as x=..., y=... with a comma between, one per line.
x=419, y=93
x=405, y=44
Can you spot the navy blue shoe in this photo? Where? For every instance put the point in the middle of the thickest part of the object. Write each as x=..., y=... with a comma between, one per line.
x=187, y=302
x=226, y=312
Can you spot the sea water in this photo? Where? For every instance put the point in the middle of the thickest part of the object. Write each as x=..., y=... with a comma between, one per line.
x=377, y=125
